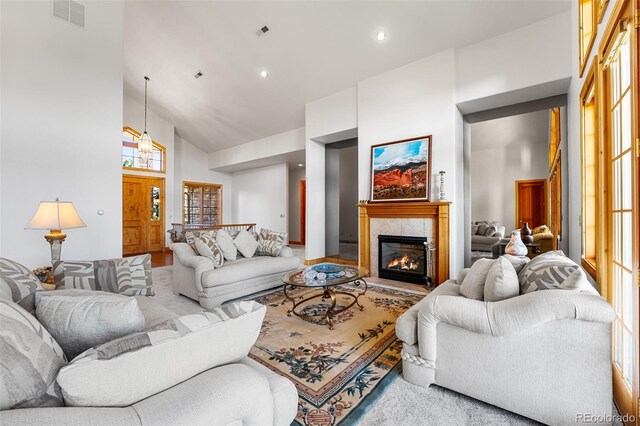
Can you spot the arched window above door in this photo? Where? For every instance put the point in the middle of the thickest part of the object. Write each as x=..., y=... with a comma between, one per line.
x=132, y=159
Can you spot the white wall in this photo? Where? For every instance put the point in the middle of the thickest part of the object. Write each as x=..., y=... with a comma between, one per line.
x=503, y=151
x=61, y=127
x=162, y=131
x=411, y=101
x=275, y=146
x=349, y=194
x=191, y=165
x=261, y=196
x=538, y=53
x=295, y=176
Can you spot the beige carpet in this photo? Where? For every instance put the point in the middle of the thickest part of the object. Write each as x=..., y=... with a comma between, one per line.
x=401, y=403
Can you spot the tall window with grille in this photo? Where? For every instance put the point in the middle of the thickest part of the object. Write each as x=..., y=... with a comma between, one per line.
x=589, y=151
x=202, y=203
x=618, y=52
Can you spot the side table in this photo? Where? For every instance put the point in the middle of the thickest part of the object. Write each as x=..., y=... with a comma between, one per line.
x=498, y=248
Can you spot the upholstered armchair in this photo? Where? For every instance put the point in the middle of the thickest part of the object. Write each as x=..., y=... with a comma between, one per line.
x=545, y=355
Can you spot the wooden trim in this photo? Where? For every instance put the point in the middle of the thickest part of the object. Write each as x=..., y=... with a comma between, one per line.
x=296, y=243
x=204, y=185
x=583, y=55
x=331, y=259
x=555, y=223
x=437, y=211
x=602, y=8
x=161, y=147
x=591, y=88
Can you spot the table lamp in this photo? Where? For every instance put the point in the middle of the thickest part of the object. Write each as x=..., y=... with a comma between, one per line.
x=55, y=216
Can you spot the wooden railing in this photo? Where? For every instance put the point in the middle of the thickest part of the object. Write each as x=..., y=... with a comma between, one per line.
x=177, y=233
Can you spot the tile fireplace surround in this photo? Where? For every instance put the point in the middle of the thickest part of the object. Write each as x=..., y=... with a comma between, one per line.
x=410, y=219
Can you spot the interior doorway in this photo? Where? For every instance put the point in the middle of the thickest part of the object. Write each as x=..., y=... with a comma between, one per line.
x=341, y=199
x=143, y=207
x=297, y=204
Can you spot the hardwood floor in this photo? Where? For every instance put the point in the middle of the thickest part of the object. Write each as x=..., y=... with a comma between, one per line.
x=161, y=258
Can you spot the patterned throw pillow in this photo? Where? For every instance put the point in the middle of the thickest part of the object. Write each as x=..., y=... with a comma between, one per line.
x=208, y=247
x=130, y=276
x=18, y=284
x=191, y=236
x=196, y=338
x=270, y=243
x=30, y=361
x=553, y=270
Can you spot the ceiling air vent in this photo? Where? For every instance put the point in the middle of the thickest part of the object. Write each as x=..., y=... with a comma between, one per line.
x=262, y=31
x=69, y=11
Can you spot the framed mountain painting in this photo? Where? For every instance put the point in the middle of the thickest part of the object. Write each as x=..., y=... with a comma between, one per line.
x=401, y=170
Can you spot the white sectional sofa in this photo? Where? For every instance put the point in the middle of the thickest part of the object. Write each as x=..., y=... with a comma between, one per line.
x=195, y=276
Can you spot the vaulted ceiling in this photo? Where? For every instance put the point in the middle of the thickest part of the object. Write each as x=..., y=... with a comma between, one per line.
x=313, y=49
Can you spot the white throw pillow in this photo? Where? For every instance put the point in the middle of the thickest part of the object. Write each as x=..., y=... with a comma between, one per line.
x=225, y=242
x=502, y=281
x=246, y=244
x=517, y=262
x=126, y=370
x=81, y=319
x=472, y=286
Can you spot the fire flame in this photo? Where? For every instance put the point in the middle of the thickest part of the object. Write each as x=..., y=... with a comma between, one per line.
x=405, y=262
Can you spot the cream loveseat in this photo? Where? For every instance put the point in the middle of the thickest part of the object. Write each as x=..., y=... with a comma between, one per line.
x=545, y=355
x=195, y=276
x=239, y=392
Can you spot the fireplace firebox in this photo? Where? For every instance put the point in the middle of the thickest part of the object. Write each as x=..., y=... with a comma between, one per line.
x=408, y=259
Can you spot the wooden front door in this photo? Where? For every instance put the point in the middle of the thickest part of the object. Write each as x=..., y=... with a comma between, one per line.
x=142, y=214
x=531, y=202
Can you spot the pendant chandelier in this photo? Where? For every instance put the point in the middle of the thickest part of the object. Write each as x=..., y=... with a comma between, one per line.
x=145, y=144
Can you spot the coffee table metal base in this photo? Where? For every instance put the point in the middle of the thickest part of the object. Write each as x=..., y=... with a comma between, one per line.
x=327, y=293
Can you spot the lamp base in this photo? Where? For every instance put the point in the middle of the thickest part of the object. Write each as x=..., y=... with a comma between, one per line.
x=55, y=237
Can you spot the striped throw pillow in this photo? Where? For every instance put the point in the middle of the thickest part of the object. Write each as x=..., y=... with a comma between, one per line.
x=18, y=284
x=208, y=247
x=270, y=243
x=30, y=361
x=130, y=276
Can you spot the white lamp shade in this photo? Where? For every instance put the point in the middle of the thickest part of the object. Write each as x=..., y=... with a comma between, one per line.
x=145, y=144
x=56, y=215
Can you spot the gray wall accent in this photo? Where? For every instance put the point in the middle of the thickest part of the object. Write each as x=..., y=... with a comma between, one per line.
x=521, y=108
x=349, y=194
x=296, y=174
x=332, y=202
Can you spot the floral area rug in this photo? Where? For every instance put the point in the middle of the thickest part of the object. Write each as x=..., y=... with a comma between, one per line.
x=338, y=372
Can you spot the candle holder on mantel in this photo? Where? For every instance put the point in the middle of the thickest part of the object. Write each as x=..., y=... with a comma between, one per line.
x=441, y=196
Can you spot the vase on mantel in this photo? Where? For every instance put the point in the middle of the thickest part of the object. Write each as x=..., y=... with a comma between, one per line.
x=516, y=247
x=525, y=233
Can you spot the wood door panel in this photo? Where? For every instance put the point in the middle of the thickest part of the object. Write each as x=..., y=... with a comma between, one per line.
x=531, y=202
x=142, y=232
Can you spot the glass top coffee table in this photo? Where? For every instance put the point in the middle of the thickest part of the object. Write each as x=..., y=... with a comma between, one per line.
x=325, y=277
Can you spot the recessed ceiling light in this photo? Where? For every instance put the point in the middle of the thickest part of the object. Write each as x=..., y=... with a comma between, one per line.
x=300, y=165
x=381, y=35
x=264, y=73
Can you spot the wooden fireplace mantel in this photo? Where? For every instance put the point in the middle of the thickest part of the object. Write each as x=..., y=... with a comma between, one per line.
x=438, y=211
